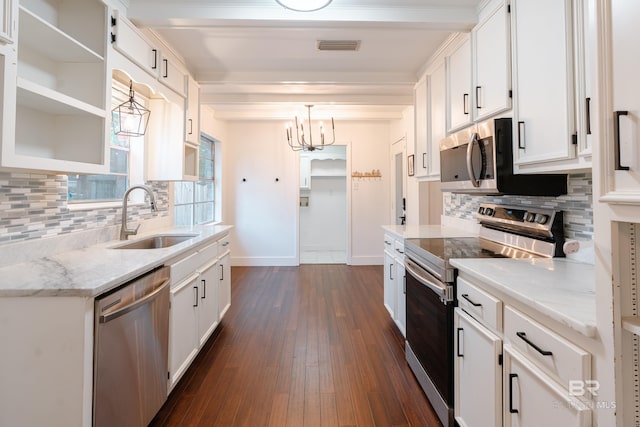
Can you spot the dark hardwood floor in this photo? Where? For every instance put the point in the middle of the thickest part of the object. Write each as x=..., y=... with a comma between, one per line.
x=307, y=346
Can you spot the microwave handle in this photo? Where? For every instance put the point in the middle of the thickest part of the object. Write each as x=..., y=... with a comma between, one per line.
x=472, y=174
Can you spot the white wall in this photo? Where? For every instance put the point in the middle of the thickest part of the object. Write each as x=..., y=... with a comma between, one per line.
x=265, y=212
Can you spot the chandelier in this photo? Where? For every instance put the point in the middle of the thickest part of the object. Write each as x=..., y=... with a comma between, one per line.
x=304, y=5
x=303, y=142
x=130, y=118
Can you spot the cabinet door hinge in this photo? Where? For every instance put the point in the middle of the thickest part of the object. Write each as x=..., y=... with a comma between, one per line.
x=113, y=38
x=113, y=21
x=574, y=139
x=500, y=359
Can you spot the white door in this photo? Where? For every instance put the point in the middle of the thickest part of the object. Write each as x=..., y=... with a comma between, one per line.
x=544, y=122
x=492, y=76
x=224, y=283
x=183, y=327
x=208, y=310
x=401, y=297
x=531, y=398
x=625, y=34
x=389, y=284
x=459, y=81
x=477, y=367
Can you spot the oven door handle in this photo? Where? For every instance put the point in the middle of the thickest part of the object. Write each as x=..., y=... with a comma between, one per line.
x=422, y=276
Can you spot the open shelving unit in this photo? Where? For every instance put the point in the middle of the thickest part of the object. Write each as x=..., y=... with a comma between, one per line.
x=61, y=96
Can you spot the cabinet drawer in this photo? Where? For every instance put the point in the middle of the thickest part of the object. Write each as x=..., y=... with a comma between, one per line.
x=389, y=243
x=399, y=248
x=208, y=253
x=479, y=304
x=555, y=355
x=183, y=268
x=224, y=244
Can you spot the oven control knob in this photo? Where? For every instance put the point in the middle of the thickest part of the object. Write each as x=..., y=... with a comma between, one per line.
x=529, y=217
x=481, y=210
x=489, y=211
x=542, y=219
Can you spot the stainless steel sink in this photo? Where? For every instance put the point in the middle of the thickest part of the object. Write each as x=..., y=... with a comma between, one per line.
x=156, y=242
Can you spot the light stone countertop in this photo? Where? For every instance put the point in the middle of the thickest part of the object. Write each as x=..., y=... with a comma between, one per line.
x=93, y=270
x=426, y=231
x=561, y=289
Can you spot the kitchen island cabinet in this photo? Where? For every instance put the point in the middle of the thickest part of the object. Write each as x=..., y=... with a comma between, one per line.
x=47, y=323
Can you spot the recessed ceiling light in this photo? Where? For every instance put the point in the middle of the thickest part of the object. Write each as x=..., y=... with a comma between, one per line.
x=304, y=5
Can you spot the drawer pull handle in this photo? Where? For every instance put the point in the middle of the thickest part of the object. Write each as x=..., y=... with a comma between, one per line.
x=458, y=353
x=475, y=304
x=616, y=138
x=511, y=409
x=524, y=338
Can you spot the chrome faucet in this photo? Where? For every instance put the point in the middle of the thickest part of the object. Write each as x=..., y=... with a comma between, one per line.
x=124, y=231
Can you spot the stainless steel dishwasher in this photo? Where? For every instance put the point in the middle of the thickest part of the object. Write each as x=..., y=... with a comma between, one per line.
x=131, y=351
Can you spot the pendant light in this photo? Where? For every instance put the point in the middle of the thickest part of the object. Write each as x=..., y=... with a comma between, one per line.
x=304, y=5
x=130, y=118
x=303, y=142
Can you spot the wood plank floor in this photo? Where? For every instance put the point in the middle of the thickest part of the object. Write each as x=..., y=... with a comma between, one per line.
x=301, y=346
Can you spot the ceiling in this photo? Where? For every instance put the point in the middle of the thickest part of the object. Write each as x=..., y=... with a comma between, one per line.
x=256, y=58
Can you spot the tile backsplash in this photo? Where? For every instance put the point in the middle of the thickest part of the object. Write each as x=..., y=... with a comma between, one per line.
x=34, y=206
x=577, y=205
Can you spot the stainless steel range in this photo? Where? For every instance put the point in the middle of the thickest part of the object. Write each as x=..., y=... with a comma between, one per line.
x=505, y=232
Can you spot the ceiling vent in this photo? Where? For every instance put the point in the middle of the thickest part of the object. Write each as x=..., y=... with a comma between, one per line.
x=339, y=45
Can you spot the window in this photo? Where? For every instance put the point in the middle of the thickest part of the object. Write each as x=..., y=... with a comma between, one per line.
x=194, y=202
x=126, y=164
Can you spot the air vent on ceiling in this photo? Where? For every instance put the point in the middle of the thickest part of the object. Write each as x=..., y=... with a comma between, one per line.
x=344, y=45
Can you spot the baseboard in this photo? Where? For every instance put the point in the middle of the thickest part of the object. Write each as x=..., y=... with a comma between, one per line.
x=264, y=261
x=367, y=260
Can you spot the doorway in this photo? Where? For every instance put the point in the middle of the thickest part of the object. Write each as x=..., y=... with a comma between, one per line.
x=323, y=208
x=398, y=156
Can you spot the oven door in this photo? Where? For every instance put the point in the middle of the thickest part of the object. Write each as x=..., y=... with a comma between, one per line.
x=429, y=347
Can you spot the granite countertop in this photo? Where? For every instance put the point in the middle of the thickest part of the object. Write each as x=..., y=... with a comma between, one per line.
x=427, y=231
x=96, y=269
x=561, y=289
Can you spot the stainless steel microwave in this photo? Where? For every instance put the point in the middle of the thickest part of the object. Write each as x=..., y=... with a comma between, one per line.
x=479, y=160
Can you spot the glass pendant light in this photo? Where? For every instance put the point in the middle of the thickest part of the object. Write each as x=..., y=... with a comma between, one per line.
x=130, y=118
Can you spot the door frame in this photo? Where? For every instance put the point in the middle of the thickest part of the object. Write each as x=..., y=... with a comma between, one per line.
x=347, y=145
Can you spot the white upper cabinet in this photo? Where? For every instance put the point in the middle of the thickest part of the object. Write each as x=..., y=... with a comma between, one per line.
x=61, y=91
x=421, y=111
x=169, y=158
x=492, y=76
x=437, y=97
x=459, y=85
x=546, y=77
x=621, y=115
x=192, y=114
x=172, y=74
x=8, y=15
x=129, y=41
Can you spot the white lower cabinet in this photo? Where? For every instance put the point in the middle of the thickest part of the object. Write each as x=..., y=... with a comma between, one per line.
x=400, y=289
x=224, y=283
x=207, y=303
x=531, y=398
x=389, y=277
x=533, y=387
x=200, y=295
x=477, y=367
x=183, y=345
